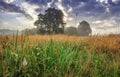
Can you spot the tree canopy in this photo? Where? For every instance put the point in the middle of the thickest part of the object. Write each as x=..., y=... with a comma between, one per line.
x=50, y=22
x=84, y=28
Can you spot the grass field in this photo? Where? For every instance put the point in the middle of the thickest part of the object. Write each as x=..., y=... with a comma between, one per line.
x=59, y=56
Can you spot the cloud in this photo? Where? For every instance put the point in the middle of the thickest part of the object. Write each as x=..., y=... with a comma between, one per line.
x=100, y=7
x=104, y=24
x=44, y=4
x=61, y=7
x=108, y=10
x=24, y=23
x=38, y=2
x=70, y=9
x=1, y=23
x=17, y=23
x=97, y=22
x=81, y=4
x=116, y=1
x=30, y=9
x=103, y=1
x=50, y=3
x=10, y=8
x=8, y=1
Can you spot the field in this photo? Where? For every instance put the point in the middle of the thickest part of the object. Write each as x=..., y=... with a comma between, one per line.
x=59, y=56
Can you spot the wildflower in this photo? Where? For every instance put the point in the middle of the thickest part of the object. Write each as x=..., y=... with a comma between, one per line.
x=25, y=62
x=38, y=54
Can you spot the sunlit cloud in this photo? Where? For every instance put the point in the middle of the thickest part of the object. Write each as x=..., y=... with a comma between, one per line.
x=60, y=6
x=70, y=9
x=59, y=0
x=50, y=3
x=97, y=22
x=8, y=1
x=104, y=26
x=103, y=1
x=108, y=10
x=115, y=1
x=30, y=9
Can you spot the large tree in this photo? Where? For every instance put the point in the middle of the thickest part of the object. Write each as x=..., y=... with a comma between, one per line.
x=84, y=28
x=51, y=21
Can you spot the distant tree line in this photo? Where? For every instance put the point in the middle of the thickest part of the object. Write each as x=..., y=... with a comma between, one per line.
x=51, y=22
x=83, y=29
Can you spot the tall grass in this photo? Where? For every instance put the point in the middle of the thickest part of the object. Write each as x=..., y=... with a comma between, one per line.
x=56, y=59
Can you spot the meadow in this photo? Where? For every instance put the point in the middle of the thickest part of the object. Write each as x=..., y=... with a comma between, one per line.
x=59, y=56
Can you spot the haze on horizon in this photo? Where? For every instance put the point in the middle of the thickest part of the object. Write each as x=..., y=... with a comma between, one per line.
x=102, y=15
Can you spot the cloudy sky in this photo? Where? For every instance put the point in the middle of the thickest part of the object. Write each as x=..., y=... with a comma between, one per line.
x=103, y=15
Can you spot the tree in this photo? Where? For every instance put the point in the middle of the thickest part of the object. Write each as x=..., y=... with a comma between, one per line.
x=84, y=28
x=51, y=21
x=71, y=31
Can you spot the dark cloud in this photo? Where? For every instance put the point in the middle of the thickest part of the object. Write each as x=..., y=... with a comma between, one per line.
x=94, y=7
x=96, y=10
x=9, y=7
x=5, y=7
x=38, y=2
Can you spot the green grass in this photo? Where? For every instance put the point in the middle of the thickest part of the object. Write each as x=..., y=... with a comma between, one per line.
x=56, y=59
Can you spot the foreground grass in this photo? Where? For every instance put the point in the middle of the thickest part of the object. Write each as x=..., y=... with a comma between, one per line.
x=53, y=58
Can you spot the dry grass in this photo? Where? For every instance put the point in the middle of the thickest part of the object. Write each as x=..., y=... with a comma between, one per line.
x=98, y=43
x=60, y=56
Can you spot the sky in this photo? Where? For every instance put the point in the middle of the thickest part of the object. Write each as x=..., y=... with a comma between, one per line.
x=102, y=15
